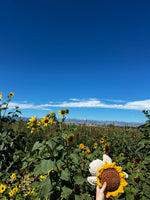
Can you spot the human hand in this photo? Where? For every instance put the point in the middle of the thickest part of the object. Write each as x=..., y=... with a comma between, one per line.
x=100, y=192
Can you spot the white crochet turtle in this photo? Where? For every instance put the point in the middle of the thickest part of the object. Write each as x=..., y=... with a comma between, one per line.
x=95, y=165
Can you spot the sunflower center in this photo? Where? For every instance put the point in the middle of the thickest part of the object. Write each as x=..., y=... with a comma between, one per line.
x=70, y=139
x=106, y=148
x=46, y=121
x=112, y=178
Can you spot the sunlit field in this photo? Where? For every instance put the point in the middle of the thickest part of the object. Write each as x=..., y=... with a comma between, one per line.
x=49, y=159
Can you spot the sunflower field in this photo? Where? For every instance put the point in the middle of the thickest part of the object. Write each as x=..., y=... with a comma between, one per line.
x=49, y=159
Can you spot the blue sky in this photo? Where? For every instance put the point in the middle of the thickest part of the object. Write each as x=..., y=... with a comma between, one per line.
x=92, y=57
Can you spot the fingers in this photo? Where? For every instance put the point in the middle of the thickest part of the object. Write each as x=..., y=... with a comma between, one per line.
x=104, y=187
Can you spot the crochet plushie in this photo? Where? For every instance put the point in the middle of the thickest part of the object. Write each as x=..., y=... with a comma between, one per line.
x=106, y=171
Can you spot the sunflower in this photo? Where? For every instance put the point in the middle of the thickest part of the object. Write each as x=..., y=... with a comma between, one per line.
x=0, y=96
x=106, y=148
x=121, y=155
x=106, y=171
x=15, y=189
x=11, y=94
x=62, y=112
x=81, y=146
x=2, y=188
x=70, y=139
x=11, y=193
x=88, y=151
x=137, y=160
x=13, y=176
x=45, y=121
x=33, y=120
x=102, y=140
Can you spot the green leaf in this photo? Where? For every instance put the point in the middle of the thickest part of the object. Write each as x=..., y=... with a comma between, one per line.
x=60, y=164
x=65, y=175
x=85, y=196
x=66, y=192
x=46, y=187
x=25, y=165
x=146, y=160
x=51, y=144
x=36, y=146
x=60, y=148
x=46, y=165
x=78, y=197
x=130, y=197
x=147, y=181
x=18, y=111
x=38, y=170
x=146, y=189
x=74, y=158
x=64, y=135
x=78, y=179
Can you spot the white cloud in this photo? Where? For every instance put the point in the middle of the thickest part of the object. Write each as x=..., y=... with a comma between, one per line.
x=114, y=100
x=138, y=105
x=29, y=106
x=90, y=103
x=74, y=99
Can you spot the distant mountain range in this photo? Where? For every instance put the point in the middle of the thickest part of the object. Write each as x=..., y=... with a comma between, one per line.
x=99, y=122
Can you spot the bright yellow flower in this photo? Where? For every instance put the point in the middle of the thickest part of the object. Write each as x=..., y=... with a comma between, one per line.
x=11, y=94
x=81, y=146
x=11, y=193
x=114, y=177
x=102, y=140
x=13, y=176
x=70, y=139
x=62, y=112
x=45, y=121
x=0, y=96
x=121, y=154
x=2, y=188
x=15, y=189
x=88, y=151
x=33, y=119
